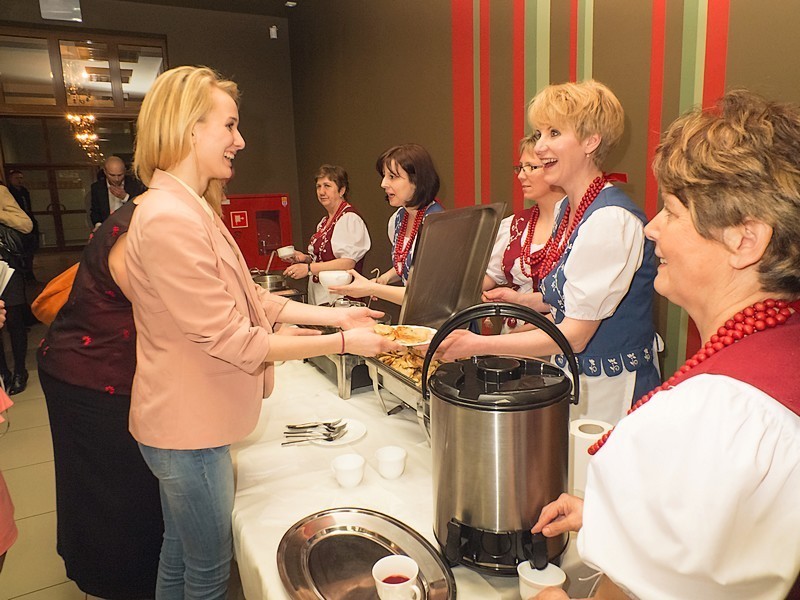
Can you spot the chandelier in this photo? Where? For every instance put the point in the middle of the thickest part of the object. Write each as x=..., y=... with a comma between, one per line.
x=83, y=128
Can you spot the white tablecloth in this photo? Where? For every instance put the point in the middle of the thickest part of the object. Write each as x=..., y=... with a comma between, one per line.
x=277, y=486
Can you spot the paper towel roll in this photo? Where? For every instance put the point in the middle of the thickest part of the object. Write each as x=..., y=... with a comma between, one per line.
x=582, y=434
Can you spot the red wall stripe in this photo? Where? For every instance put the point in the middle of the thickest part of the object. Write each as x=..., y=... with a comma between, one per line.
x=517, y=91
x=656, y=103
x=486, y=103
x=573, y=41
x=716, y=51
x=463, y=103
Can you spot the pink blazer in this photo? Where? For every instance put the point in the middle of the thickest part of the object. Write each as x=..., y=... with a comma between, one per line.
x=203, y=327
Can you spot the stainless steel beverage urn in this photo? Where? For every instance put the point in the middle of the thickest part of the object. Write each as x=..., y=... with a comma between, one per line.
x=499, y=438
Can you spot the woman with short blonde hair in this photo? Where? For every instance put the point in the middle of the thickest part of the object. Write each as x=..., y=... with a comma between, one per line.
x=597, y=277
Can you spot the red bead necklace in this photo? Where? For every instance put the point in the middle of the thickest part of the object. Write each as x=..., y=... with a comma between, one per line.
x=758, y=317
x=527, y=258
x=325, y=226
x=402, y=248
x=554, y=251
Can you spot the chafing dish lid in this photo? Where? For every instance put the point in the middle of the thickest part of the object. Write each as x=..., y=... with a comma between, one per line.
x=500, y=383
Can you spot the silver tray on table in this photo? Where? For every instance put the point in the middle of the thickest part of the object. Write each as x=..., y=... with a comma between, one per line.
x=329, y=555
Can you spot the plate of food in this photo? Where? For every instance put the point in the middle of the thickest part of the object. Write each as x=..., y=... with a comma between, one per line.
x=407, y=335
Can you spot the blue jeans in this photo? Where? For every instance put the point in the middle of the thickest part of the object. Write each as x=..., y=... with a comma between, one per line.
x=196, y=489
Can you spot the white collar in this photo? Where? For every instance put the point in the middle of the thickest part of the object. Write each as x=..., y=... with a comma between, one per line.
x=202, y=201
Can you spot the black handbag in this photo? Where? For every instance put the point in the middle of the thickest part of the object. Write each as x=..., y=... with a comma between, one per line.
x=11, y=241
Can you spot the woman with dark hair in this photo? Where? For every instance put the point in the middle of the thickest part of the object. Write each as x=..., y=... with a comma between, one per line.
x=340, y=241
x=411, y=183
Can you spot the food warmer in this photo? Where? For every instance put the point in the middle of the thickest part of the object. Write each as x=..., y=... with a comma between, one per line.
x=450, y=260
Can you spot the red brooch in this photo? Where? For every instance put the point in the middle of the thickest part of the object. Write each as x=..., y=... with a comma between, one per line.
x=86, y=340
x=109, y=389
x=115, y=231
x=126, y=334
x=111, y=294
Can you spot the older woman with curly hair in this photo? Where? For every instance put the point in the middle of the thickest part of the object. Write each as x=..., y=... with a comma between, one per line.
x=695, y=493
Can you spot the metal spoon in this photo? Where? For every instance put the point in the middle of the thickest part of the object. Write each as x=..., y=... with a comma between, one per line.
x=314, y=424
x=326, y=437
x=324, y=430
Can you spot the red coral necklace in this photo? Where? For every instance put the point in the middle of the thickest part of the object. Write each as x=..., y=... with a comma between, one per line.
x=758, y=317
x=325, y=227
x=527, y=258
x=402, y=248
x=555, y=250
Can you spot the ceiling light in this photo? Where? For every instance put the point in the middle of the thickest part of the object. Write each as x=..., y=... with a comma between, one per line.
x=291, y=3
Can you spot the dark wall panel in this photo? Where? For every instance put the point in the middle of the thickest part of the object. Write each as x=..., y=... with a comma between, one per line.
x=368, y=75
x=236, y=45
x=763, y=48
x=622, y=62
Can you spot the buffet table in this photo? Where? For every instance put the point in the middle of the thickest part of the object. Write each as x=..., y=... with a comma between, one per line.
x=278, y=486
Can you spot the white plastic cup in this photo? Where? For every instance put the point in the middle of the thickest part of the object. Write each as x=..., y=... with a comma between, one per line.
x=532, y=580
x=396, y=578
x=285, y=252
x=348, y=469
x=391, y=461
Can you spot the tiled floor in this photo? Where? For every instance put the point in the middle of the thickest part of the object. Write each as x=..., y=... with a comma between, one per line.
x=33, y=570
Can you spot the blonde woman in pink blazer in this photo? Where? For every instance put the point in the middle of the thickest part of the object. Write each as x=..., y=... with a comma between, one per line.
x=206, y=334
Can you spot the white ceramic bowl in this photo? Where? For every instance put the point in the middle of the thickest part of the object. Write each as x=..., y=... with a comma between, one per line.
x=285, y=252
x=334, y=278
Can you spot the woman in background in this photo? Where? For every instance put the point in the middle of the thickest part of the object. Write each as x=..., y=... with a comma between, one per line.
x=523, y=238
x=206, y=333
x=16, y=304
x=340, y=241
x=694, y=494
x=410, y=182
x=108, y=505
x=598, y=273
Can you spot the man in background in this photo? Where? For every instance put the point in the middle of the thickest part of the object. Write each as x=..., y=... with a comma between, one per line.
x=108, y=194
x=30, y=240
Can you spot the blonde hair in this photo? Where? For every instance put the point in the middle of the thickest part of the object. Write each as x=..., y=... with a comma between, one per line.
x=588, y=108
x=736, y=162
x=527, y=144
x=178, y=99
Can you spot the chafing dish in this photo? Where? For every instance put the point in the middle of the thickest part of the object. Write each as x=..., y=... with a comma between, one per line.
x=347, y=370
x=446, y=277
x=403, y=388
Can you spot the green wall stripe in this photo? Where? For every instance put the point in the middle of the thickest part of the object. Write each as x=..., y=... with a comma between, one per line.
x=695, y=14
x=693, y=44
x=585, y=38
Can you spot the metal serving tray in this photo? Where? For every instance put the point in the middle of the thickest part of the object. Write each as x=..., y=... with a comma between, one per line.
x=329, y=555
x=404, y=388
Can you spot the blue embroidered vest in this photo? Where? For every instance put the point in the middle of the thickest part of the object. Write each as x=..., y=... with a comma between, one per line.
x=625, y=339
